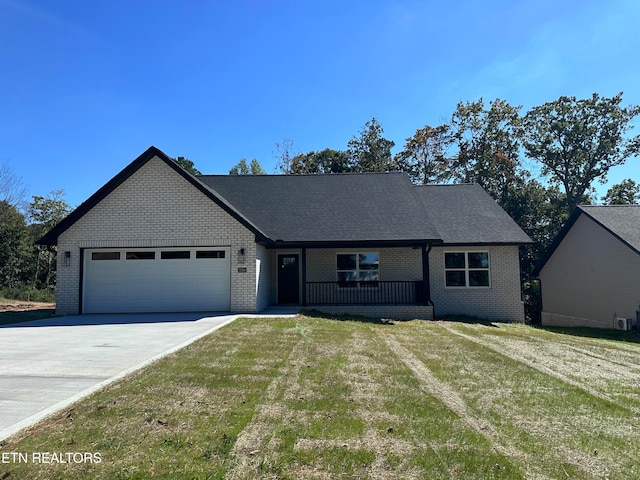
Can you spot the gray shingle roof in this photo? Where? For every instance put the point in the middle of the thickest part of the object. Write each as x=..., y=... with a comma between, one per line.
x=366, y=207
x=466, y=213
x=376, y=207
x=328, y=208
x=621, y=220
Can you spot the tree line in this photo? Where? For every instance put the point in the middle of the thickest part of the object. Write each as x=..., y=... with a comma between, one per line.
x=27, y=270
x=538, y=165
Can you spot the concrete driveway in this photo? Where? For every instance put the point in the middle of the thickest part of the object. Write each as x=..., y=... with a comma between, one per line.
x=47, y=364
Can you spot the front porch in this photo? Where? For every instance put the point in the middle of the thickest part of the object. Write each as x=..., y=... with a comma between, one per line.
x=376, y=292
x=400, y=300
x=387, y=282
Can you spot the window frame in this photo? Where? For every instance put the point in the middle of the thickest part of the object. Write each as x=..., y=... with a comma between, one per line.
x=467, y=269
x=357, y=283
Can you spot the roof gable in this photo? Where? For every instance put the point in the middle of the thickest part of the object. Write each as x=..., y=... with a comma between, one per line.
x=51, y=237
x=621, y=221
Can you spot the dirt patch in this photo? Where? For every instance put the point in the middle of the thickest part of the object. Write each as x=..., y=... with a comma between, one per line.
x=21, y=306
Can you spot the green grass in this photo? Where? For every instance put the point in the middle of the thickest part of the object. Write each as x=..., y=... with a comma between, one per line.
x=313, y=397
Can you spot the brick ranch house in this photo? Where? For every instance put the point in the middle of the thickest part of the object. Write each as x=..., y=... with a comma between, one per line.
x=157, y=239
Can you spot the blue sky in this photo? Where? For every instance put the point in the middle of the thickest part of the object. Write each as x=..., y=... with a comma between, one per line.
x=85, y=87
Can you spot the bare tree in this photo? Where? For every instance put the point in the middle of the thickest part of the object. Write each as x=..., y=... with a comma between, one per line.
x=12, y=190
x=284, y=155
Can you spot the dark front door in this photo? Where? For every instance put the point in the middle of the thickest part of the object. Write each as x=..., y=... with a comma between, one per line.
x=288, y=279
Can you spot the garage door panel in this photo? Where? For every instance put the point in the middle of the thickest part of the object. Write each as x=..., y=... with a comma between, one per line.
x=136, y=283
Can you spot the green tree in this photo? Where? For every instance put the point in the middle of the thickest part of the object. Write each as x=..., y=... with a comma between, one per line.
x=255, y=168
x=325, y=161
x=188, y=165
x=242, y=168
x=44, y=214
x=14, y=245
x=370, y=151
x=424, y=156
x=626, y=192
x=578, y=141
x=486, y=142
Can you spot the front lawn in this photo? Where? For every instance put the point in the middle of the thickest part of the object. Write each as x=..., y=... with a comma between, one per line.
x=327, y=398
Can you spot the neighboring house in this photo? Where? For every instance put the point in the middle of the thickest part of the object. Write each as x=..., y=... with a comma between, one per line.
x=590, y=276
x=156, y=238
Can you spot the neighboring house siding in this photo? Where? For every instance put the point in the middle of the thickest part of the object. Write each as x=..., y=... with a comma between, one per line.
x=501, y=301
x=590, y=278
x=156, y=207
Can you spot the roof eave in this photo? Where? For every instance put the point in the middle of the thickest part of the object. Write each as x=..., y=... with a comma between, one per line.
x=282, y=244
x=488, y=244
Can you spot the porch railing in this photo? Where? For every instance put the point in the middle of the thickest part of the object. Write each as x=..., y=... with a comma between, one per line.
x=363, y=293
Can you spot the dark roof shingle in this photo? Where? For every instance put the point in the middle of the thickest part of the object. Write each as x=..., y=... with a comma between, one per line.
x=366, y=207
x=467, y=214
x=328, y=208
x=381, y=208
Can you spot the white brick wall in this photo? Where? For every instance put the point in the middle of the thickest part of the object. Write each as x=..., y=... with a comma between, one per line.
x=395, y=263
x=501, y=301
x=156, y=207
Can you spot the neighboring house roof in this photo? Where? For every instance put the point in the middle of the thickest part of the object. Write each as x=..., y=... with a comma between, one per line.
x=467, y=214
x=622, y=221
x=379, y=207
x=368, y=208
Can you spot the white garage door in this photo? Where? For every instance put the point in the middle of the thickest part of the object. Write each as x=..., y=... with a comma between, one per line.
x=156, y=280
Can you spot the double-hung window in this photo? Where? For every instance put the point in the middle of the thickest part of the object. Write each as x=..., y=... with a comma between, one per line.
x=358, y=267
x=466, y=269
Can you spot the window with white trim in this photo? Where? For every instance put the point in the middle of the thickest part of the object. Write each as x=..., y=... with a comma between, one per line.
x=357, y=267
x=466, y=269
